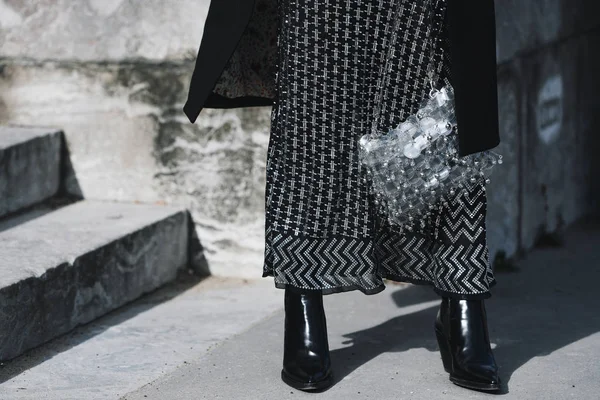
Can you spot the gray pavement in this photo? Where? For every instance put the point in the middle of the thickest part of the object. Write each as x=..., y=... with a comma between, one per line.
x=544, y=326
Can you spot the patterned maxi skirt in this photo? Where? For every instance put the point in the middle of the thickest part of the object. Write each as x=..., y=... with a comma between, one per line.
x=344, y=67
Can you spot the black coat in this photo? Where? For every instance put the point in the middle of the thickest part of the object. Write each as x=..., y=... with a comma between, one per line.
x=471, y=31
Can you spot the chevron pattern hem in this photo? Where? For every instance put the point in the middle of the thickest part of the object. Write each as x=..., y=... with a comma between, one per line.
x=453, y=258
x=330, y=290
x=331, y=264
x=459, y=296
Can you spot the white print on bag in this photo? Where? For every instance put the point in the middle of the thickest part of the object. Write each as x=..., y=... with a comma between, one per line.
x=549, y=113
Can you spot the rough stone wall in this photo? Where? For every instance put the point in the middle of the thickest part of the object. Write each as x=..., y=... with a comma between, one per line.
x=548, y=115
x=113, y=74
x=92, y=30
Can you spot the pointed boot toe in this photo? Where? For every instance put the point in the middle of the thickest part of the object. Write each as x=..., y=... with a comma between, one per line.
x=477, y=376
x=307, y=377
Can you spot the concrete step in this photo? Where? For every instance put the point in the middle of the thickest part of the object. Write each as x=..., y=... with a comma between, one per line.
x=142, y=341
x=72, y=265
x=30, y=161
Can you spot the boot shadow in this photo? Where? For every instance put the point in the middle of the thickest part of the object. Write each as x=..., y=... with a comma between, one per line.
x=543, y=308
x=402, y=333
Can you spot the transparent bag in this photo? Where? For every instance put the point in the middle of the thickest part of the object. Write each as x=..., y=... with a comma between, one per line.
x=415, y=167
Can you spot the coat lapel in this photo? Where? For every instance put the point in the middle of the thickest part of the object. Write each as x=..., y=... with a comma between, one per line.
x=225, y=23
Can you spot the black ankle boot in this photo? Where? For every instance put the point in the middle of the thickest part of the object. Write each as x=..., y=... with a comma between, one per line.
x=462, y=334
x=306, y=362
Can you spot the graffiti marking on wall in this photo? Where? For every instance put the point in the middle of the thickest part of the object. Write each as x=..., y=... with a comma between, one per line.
x=549, y=109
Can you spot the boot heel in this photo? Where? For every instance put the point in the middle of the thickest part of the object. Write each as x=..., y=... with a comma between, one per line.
x=444, y=351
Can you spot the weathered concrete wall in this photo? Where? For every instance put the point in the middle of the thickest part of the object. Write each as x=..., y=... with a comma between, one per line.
x=525, y=27
x=548, y=113
x=114, y=74
x=91, y=30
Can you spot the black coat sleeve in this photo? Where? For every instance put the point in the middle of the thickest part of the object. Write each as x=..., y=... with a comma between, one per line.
x=471, y=28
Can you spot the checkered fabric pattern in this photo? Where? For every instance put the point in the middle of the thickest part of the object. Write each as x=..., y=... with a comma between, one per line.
x=344, y=68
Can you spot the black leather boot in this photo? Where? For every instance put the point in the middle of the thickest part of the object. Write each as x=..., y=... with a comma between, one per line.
x=306, y=362
x=462, y=334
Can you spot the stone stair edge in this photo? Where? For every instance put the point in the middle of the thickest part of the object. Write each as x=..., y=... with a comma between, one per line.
x=170, y=211
x=100, y=278
x=30, y=131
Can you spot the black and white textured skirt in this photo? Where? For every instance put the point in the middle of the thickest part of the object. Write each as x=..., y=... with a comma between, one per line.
x=344, y=67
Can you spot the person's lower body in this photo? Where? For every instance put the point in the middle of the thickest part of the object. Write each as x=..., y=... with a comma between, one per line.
x=456, y=253
x=323, y=233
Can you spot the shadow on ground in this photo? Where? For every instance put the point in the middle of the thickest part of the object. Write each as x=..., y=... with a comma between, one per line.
x=551, y=303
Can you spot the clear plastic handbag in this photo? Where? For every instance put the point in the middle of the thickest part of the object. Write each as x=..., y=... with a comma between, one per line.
x=415, y=167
